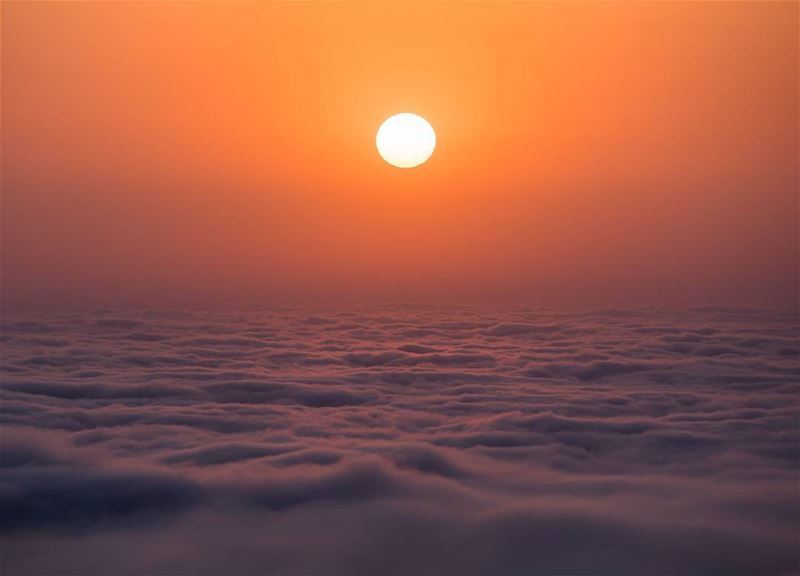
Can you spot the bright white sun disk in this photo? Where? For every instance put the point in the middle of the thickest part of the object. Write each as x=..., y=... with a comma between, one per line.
x=405, y=140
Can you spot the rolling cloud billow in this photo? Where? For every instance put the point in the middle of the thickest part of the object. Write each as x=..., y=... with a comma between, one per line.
x=394, y=440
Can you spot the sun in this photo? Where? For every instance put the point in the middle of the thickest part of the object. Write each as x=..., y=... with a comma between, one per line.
x=405, y=140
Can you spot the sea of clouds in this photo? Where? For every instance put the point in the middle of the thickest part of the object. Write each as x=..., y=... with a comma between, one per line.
x=395, y=440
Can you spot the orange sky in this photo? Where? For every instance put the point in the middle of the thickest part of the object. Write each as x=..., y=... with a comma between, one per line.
x=588, y=153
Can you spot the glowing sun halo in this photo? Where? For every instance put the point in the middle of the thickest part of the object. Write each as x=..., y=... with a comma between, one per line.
x=405, y=140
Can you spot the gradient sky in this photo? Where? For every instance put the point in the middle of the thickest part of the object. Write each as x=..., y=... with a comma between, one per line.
x=588, y=153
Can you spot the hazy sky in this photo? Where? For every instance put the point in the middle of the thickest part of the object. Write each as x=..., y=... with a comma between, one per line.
x=588, y=153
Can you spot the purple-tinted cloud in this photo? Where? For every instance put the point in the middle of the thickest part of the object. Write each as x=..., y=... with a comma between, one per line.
x=430, y=440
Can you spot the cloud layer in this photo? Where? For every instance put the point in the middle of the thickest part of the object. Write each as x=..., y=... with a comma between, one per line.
x=394, y=440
